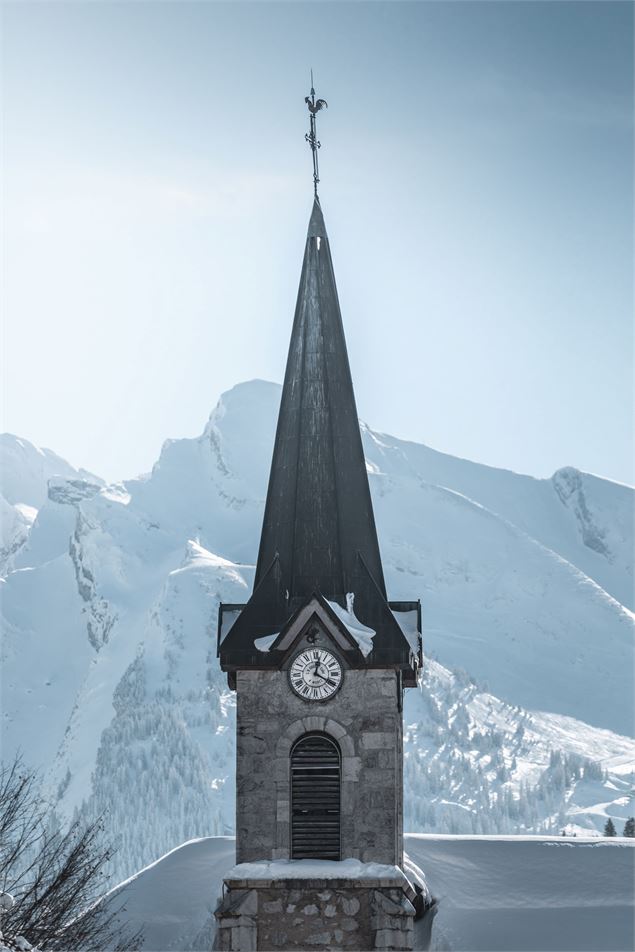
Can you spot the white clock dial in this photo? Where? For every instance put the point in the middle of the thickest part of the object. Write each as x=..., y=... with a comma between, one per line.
x=315, y=674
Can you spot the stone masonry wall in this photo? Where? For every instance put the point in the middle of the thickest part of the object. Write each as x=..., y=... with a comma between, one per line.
x=364, y=718
x=317, y=919
x=306, y=915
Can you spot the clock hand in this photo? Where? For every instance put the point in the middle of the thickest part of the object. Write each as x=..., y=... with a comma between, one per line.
x=316, y=671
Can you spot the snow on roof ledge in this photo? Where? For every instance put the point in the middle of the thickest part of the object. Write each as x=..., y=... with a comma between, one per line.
x=265, y=643
x=316, y=869
x=408, y=621
x=362, y=635
x=228, y=617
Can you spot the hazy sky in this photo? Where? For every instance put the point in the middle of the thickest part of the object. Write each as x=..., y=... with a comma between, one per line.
x=477, y=187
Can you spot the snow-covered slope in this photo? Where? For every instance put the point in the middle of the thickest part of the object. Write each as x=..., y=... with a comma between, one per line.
x=494, y=893
x=498, y=602
x=476, y=764
x=586, y=520
x=110, y=680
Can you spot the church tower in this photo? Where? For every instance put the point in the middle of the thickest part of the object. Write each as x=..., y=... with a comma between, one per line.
x=319, y=660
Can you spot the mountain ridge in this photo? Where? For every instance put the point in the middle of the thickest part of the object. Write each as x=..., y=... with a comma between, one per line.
x=110, y=680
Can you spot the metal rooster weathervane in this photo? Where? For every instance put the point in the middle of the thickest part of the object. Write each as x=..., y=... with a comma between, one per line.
x=314, y=105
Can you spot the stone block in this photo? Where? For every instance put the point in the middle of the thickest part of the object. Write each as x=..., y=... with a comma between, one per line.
x=274, y=905
x=379, y=721
x=320, y=938
x=347, y=746
x=383, y=921
x=348, y=794
x=283, y=743
x=367, y=855
x=375, y=739
x=379, y=777
x=351, y=767
x=245, y=783
x=408, y=906
x=350, y=906
x=382, y=798
x=391, y=905
x=386, y=758
x=223, y=940
x=251, y=744
x=283, y=835
x=279, y=939
x=393, y=939
x=334, y=729
x=236, y=903
x=244, y=938
x=282, y=811
x=314, y=723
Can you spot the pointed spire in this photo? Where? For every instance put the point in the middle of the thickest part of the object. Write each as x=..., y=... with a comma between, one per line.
x=318, y=533
x=318, y=515
x=317, y=228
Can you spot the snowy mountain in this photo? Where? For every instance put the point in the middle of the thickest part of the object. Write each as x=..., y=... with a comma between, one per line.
x=110, y=680
x=26, y=470
x=521, y=893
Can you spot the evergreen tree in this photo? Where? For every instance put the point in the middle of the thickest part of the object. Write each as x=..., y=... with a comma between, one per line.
x=629, y=827
x=609, y=828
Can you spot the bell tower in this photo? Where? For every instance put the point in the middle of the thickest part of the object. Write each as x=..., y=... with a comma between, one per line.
x=319, y=659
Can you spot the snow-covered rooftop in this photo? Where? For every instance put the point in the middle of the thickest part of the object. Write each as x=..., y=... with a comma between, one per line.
x=495, y=893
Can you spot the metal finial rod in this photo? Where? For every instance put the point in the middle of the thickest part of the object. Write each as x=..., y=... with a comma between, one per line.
x=314, y=105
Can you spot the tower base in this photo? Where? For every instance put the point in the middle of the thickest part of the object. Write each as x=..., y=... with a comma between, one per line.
x=308, y=913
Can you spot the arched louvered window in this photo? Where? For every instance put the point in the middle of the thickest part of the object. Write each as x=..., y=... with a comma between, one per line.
x=315, y=798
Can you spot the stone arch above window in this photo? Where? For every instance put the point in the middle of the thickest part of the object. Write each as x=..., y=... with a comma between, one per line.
x=315, y=722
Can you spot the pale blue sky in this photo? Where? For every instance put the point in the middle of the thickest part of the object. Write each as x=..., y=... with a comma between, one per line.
x=476, y=184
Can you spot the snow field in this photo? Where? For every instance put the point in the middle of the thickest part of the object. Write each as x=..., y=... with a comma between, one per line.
x=513, y=894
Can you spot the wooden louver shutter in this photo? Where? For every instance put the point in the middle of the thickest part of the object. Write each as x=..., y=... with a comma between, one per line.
x=315, y=798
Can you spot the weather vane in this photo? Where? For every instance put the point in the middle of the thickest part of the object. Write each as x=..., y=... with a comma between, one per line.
x=314, y=106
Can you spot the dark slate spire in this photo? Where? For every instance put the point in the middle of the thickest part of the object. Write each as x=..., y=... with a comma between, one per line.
x=318, y=533
x=318, y=515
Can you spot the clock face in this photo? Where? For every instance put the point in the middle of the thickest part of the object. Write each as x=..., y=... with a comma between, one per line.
x=315, y=674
